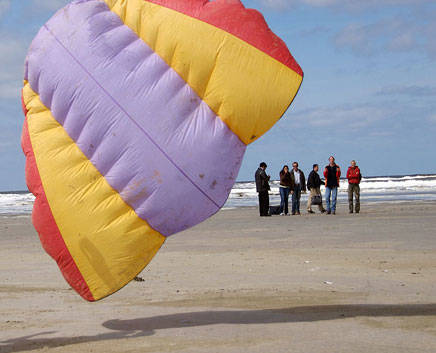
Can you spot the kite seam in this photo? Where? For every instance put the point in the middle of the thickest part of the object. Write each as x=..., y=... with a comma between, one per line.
x=131, y=118
x=297, y=69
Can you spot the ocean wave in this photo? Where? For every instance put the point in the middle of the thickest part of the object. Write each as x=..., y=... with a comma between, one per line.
x=16, y=203
x=373, y=189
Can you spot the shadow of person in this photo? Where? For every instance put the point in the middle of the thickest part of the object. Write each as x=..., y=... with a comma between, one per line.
x=141, y=327
x=27, y=343
x=267, y=316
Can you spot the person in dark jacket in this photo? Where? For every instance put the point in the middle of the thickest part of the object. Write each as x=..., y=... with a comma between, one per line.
x=285, y=187
x=314, y=186
x=354, y=177
x=262, y=187
x=332, y=174
x=298, y=186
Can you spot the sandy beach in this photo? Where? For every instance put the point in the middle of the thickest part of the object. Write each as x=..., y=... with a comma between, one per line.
x=241, y=283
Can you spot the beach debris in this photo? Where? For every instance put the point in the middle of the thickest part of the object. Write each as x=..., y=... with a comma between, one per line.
x=307, y=262
x=136, y=125
x=138, y=279
x=328, y=283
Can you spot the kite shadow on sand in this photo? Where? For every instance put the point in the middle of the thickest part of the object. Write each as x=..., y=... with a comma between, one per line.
x=141, y=327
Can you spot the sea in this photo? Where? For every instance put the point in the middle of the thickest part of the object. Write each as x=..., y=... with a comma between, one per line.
x=400, y=188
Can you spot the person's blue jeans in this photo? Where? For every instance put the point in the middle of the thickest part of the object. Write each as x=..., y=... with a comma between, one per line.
x=284, y=198
x=296, y=199
x=333, y=192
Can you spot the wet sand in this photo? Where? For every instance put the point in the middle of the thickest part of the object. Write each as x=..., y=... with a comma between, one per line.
x=241, y=283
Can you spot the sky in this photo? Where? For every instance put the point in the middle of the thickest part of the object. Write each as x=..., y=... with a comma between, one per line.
x=369, y=89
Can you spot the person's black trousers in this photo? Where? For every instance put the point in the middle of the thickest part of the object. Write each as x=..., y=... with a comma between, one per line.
x=264, y=203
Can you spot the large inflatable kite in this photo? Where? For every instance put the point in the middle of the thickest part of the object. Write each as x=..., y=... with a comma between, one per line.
x=138, y=114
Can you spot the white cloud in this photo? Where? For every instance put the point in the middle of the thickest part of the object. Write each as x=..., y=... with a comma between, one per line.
x=322, y=3
x=356, y=38
x=432, y=118
x=342, y=117
x=314, y=31
x=339, y=4
x=389, y=35
x=403, y=41
x=50, y=5
x=10, y=89
x=275, y=4
x=413, y=91
x=416, y=32
x=4, y=6
x=12, y=56
x=42, y=9
x=430, y=33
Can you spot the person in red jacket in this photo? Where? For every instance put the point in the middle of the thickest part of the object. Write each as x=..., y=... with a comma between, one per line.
x=354, y=177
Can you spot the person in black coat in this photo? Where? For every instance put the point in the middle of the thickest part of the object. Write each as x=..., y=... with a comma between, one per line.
x=262, y=187
x=314, y=186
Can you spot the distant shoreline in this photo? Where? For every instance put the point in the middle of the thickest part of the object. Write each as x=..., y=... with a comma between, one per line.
x=15, y=192
x=368, y=177
x=389, y=190
x=274, y=180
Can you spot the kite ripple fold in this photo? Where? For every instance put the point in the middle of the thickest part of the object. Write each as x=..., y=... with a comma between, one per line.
x=138, y=114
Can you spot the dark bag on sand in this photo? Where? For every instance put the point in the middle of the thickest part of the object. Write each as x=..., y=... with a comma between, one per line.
x=316, y=200
x=274, y=210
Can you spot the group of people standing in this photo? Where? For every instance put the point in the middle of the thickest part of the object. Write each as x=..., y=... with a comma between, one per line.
x=293, y=182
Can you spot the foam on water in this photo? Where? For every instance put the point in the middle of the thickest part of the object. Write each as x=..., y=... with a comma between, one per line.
x=373, y=189
x=14, y=203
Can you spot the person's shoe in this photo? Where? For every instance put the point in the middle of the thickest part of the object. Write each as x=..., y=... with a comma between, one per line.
x=282, y=214
x=352, y=212
x=357, y=211
x=333, y=212
x=293, y=213
x=323, y=211
x=328, y=212
x=310, y=211
x=298, y=213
